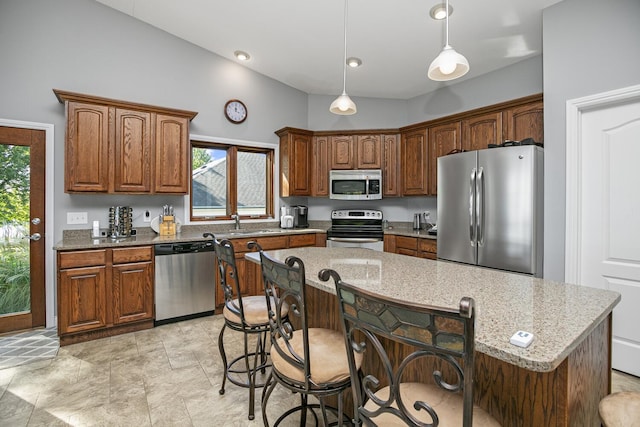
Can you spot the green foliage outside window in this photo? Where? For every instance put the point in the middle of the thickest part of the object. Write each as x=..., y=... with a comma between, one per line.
x=15, y=281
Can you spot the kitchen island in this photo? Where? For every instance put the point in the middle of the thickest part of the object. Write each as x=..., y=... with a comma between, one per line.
x=558, y=380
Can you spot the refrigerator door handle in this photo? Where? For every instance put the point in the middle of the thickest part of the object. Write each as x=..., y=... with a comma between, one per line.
x=480, y=206
x=472, y=207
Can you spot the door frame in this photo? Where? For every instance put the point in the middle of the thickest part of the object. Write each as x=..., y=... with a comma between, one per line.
x=573, y=214
x=50, y=283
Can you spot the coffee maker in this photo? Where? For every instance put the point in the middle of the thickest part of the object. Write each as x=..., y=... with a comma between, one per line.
x=300, y=213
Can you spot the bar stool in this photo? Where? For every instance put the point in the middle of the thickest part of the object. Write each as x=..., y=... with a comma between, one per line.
x=247, y=315
x=439, y=338
x=309, y=361
x=621, y=409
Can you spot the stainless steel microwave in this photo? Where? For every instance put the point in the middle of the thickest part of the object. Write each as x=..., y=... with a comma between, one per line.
x=365, y=184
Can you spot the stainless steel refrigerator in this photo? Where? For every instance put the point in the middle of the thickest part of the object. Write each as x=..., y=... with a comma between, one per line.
x=490, y=208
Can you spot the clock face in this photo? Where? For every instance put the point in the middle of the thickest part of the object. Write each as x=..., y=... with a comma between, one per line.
x=235, y=111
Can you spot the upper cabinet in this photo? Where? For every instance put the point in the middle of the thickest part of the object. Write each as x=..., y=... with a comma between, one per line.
x=408, y=157
x=295, y=162
x=525, y=121
x=443, y=139
x=414, y=162
x=120, y=147
x=369, y=151
x=391, y=166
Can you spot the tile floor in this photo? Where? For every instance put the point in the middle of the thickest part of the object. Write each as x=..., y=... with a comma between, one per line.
x=166, y=376
x=28, y=347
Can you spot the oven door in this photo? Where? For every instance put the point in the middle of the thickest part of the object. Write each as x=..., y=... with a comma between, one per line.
x=355, y=242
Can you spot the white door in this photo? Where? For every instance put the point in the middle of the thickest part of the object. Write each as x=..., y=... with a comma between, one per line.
x=609, y=220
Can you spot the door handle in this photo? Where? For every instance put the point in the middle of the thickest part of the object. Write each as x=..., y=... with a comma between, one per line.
x=35, y=237
x=472, y=207
x=480, y=206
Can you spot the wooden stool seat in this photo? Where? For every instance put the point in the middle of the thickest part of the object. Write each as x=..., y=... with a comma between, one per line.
x=621, y=409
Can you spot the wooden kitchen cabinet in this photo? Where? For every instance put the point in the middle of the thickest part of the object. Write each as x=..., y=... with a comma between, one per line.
x=412, y=246
x=132, y=151
x=414, y=162
x=118, y=147
x=481, y=130
x=369, y=151
x=391, y=166
x=172, y=155
x=133, y=284
x=443, y=139
x=104, y=292
x=525, y=121
x=342, y=152
x=249, y=273
x=82, y=296
x=295, y=162
x=320, y=167
x=87, y=148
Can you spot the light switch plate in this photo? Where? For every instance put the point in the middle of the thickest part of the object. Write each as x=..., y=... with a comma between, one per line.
x=77, y=218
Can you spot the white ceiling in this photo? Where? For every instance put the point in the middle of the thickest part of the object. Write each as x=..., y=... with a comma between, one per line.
x=301, y=42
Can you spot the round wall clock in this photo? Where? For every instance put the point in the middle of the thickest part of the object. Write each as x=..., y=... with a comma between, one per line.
x=235, y=111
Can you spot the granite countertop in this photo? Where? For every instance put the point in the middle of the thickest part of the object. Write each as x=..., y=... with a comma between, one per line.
x=81, y=239
x=410, y=232
x=559, y=315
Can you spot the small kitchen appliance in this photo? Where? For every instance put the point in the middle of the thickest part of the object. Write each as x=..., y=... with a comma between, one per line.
x=120, y=221
x=286, y=218
x=365, y=184
x=356, y=228
x=300, y=214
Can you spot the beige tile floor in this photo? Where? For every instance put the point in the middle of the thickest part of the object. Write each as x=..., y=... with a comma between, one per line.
x=166, y=376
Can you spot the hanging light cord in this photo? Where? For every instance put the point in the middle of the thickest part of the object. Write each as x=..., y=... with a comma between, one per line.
x=344, y=62
x=447, y=25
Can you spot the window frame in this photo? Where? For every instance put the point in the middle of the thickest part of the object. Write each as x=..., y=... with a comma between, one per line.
x=232, y=148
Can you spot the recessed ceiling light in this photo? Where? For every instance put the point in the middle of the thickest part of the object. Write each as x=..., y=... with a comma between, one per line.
x=242, y=56
x=354, y=62
x=439, y=11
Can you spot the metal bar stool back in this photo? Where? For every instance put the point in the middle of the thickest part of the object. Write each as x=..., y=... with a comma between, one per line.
x=437, y=339
x=244, y=314
x=310, y=361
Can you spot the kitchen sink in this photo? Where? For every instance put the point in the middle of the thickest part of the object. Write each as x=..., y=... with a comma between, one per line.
x=244, y=231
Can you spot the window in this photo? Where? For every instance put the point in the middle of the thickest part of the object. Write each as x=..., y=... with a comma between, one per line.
x=226, y=179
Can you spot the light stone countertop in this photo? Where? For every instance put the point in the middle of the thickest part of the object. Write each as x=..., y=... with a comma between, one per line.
x=559, y=315
x=409, y=232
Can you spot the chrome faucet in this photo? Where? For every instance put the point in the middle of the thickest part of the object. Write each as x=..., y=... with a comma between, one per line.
x=236, y=217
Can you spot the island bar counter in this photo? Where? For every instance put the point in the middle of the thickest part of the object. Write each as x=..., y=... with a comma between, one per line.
x=557, y=381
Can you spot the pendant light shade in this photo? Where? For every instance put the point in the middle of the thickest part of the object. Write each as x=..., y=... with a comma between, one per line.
x=343, y=105
x=449, y=64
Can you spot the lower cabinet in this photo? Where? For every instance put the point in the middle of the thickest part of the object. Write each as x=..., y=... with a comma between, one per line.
x=412, y=246
x=249, y=273
x=104, y=292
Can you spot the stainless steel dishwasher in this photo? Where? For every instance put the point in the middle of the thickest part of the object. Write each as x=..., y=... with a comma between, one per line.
x=185, y=281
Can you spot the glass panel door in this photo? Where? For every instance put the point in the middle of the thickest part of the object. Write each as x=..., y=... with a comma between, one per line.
x=22, y=160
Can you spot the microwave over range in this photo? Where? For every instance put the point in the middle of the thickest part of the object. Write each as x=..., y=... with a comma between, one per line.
x=363, y=184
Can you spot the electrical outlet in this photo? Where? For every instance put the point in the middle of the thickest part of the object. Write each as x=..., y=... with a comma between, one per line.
x=77, y=218
x=147, y=216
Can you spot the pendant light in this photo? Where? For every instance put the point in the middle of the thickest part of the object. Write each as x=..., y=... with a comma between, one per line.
x=449, y=64
x=343, y=105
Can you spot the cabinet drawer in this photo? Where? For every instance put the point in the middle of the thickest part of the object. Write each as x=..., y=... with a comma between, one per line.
x=82, y=258
x=275, y=242
x=125, y=255
x=403, y=242
x=427, y=245
x=298, y=240
x=266, y=243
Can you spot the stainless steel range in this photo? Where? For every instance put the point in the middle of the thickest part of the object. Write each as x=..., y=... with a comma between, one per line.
x=356, y=228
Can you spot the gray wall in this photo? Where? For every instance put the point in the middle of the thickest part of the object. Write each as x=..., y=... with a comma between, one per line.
x=83, y=46
x=590, y=46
